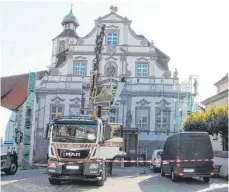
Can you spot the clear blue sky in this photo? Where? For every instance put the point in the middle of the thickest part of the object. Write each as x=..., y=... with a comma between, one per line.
x=194, y=33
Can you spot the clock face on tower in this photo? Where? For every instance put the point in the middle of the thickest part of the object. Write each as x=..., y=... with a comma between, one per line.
x=111, y=49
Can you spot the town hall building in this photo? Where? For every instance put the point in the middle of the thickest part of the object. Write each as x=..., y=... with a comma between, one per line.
x=148, y=105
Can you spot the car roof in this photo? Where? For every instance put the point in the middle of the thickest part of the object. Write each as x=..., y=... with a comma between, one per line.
x=158, y=150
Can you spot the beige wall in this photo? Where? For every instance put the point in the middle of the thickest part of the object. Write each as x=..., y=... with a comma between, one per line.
x=222, y=87
x=223, y=101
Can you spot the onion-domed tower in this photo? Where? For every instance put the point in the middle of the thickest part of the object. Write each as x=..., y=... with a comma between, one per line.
x=66, y=37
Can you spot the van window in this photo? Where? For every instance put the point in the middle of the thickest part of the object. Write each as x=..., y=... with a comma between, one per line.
x=158, y=156
x=196, y=150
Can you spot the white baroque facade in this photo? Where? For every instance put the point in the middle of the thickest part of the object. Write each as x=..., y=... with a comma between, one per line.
x=147, y=102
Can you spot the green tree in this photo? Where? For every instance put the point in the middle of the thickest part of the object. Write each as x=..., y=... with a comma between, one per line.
x=213, y=121
x=196, y=122
x=218, y=124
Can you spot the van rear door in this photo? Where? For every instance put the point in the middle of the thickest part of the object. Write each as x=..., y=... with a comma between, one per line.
x=195, y=152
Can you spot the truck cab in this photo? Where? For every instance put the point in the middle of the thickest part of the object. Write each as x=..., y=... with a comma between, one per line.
x=79, y=147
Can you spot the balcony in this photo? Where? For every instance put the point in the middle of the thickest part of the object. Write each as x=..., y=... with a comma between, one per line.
x=62, y=83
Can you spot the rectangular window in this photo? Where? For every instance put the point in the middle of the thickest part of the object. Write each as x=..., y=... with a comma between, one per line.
x=162, y=119
x=74, y=110
x=113, y=116
x=55, y=109
x=79, y=68
x=112, y=38
x=142, y=118
x=143, y=150
x=142, y=70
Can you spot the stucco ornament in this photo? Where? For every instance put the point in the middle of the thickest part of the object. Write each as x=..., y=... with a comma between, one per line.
x=113, y=8
x=80, y=41
x=111, y=49
x=54, y=71
x=111, y=69
x=128, y=72
x=144, y=42
x=175, y=74
x=167, y=74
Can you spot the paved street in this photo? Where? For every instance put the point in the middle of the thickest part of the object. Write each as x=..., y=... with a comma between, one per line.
x=126, y=179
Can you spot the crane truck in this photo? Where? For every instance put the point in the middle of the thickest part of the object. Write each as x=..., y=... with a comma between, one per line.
x=82, y=147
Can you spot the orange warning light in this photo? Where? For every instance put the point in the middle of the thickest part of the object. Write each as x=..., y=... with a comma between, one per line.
x=58, y=114
x=93, y=114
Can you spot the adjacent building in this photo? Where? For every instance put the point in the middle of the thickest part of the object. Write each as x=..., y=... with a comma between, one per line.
x=17, y=95
x=220, y=98
x=148, y=105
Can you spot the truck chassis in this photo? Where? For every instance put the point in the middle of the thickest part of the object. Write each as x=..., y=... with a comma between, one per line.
x=88, y=171
x=9, y=163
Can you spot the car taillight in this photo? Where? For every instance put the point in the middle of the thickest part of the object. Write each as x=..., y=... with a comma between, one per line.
x=154, y=160
x=53, y=164
x=178, y=161
x=213, y=161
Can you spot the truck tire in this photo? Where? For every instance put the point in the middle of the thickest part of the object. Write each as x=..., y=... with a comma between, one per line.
x=162, y=173
x=109, y=167
x=53, y=181
x=12, y=169
x=206, y=179
x=102, y=181
x=174, y=176
x=104, y=177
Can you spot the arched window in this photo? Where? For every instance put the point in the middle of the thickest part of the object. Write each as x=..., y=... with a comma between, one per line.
x=61, y=46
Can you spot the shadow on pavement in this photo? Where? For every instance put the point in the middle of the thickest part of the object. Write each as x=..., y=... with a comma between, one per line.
x=164, y=184
x=130, y=172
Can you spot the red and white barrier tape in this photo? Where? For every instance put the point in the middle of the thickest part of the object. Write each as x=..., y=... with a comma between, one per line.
x=126, y=161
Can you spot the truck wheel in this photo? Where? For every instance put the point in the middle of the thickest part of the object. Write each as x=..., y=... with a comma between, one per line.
x=174, y=177
x=162, y=173
x=13, y=168
x=206, y=179
x=102, y=181
x=53, y=181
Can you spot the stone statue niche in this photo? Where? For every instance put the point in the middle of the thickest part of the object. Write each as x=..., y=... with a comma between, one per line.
x=128, y=119
x=110, y=69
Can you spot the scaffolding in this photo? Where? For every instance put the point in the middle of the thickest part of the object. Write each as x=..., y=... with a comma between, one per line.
x=190, y=104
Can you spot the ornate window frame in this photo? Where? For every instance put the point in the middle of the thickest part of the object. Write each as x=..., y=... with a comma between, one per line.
x=139, y=108
x=85, y=68
x=77, y=106
x=112, y=31
x=56, y=106
x=143, y=63
x=162, y=106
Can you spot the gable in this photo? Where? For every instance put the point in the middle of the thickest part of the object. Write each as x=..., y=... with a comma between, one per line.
x=112, y=18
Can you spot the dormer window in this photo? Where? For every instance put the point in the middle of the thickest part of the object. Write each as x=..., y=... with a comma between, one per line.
x=112, y=38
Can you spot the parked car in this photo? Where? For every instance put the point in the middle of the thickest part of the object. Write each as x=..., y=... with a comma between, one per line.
x=188, y=154
x=9, y=163
x=155, y=164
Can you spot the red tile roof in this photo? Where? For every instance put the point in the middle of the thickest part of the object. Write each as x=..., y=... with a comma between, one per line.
x=14, y=90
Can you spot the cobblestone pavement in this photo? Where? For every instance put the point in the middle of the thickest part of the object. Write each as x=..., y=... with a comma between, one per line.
x=125, y=179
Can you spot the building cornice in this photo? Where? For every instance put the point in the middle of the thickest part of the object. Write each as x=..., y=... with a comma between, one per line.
x=222, y=80
x=216, y=97
x=165, y=94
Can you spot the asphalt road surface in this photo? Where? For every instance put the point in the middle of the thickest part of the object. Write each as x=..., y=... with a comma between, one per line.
x=123, y=179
